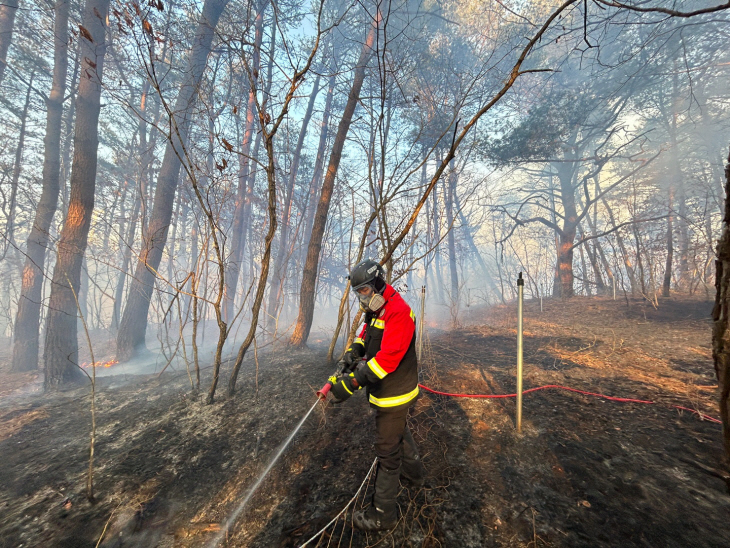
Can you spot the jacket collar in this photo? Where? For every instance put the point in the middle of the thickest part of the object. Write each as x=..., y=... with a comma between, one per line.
x=388, y=292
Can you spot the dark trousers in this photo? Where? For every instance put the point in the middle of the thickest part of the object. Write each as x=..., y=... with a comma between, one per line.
x=390, y=431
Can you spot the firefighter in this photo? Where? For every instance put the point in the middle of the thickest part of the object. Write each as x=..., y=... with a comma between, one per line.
x=383, y=361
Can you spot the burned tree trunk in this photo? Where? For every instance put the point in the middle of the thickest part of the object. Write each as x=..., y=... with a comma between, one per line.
x=133, y=327
x=61, y=344
x=309, y=276
x=568, y=232
x=565, y=263
x=721, y=317
x=25, y=347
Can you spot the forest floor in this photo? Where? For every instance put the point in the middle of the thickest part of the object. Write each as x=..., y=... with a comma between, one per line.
x=585, y=471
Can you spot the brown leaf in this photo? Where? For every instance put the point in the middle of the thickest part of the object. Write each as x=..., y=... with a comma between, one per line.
x=235, y=109
x=89, y=62
x=229, y=146
x=160, y=6
x=147, y=26
x=85, y=33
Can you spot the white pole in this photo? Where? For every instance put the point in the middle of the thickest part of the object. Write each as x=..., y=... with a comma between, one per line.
x=613, y=278
x=520, y=288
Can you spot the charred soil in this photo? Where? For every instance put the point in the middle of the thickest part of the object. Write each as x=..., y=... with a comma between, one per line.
x=585, y=471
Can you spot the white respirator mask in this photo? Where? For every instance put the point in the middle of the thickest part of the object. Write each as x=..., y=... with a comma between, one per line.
x=372, y=302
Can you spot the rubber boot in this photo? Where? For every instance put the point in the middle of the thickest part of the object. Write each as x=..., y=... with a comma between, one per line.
x=382, y=513
x=411, y=468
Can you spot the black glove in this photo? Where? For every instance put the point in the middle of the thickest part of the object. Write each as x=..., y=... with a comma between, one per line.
x=344, y=387
x=353, y=356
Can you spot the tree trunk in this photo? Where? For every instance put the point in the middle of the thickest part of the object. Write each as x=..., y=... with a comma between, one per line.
x=8, y=9
x=15, y=181
x=243, y=194
x=277, y=280
x=27, y=322
x=565, y=263
x=68, y=125
x=435, y=245
x=592, y=250
x=670, y=248
x=265, y=262
x=450, y=193
x=586, y=281
x=61, y=344
x=171, y=246
x=598, y=249
x=639, y=261
x=319, y=161
x=140, y=200
x=309, y=276
x=622, y=246
x=678, y=180
x=133, y=327
x=721, y=318
x=126, y=258
x=566, y=237
x=488, y=277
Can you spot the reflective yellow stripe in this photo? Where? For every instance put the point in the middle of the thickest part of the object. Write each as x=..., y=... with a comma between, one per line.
x=380, y=324
x=375, y=367
x=359, y=341
x=413, y=316
x=394, y=401
x=344, y=385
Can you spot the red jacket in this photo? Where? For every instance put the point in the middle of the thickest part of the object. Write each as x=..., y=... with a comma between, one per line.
x=388, y=337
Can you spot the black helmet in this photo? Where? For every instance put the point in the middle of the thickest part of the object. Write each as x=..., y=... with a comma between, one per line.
x=367, y=272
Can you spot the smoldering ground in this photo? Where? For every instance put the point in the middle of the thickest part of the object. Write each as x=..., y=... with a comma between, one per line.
x=169, y=469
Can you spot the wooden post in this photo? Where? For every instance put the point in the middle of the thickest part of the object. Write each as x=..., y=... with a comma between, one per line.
x=420, y=322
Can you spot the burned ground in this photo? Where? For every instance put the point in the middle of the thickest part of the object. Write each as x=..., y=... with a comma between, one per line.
x=584, y=471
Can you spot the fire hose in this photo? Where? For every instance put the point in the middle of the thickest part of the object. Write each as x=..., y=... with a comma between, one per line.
x=322, y=395
x=560, y=387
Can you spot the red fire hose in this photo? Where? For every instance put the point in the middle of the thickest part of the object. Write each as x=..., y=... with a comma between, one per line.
x=322, y=395
x=560, y=387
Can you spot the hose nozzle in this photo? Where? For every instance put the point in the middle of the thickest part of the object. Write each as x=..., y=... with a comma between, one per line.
x=322, y=392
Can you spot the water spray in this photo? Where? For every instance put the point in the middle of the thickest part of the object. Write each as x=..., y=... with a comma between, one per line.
x=321, y=396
